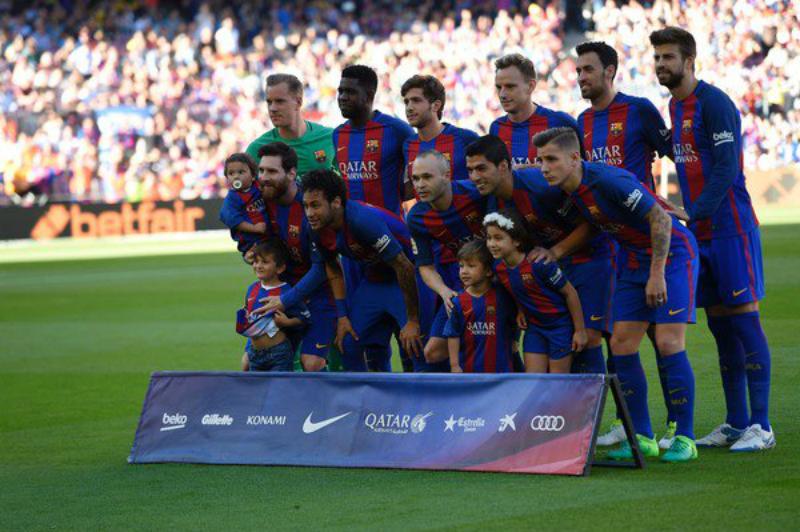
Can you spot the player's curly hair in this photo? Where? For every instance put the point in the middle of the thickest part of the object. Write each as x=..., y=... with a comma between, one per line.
x=366, y=77
x=327, y=181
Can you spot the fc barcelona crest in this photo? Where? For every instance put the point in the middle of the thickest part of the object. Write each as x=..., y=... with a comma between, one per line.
x=373, y=145
x=294, y=231
x=594, y=210
x=687, y=125
x=526, y=277
x=320, y=156
x=490, y=310
x=616, y=128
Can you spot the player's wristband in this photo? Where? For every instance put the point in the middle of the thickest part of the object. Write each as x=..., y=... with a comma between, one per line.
x=341, y=308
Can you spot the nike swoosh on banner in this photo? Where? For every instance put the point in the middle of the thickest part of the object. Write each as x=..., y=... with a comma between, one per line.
x=310, y=426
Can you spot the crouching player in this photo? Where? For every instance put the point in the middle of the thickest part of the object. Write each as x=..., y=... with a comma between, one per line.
x=243, y=209
x=549, y=306
x=269, y=348
x=481, y=328
x=656, y=284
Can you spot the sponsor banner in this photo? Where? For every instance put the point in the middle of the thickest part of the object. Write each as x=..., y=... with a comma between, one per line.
x=509, y=423
x=77, y=220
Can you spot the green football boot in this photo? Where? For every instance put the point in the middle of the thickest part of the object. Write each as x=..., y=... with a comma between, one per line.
x=648, y=446
x=682, y=449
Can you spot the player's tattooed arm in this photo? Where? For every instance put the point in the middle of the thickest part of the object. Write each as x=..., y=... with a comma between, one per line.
x=410, y=333
x=660, y=234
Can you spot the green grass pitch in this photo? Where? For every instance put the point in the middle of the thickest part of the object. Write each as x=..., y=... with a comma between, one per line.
x=79, y=339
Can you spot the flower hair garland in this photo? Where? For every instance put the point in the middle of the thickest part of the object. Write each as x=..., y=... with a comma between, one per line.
x=498, y=219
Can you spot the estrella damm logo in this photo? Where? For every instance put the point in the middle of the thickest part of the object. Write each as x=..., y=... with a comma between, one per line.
x=616, y=128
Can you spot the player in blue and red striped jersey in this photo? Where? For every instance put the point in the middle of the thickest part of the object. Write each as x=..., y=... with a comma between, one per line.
x=268, y=347
x=277, y=172
x=448, y=215
x=549, y=307
x=626, y=132
x=618, y=129
x=481, y=329
x=386, y=298
x=655, y=285
x=369, y=153
x=707, y=146
x=369, y=146
x=554, y=224
x=515, y=81
x=243, y=208
x=424, y=99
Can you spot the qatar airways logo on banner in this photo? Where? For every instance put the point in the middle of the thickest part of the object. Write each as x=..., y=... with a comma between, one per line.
x=396, y=423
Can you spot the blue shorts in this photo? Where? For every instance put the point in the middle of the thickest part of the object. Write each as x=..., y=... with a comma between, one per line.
x=731, y=270
x=554, y=340
x=276, y=358
x=595, y=282
x=377, y=310
x=321, y=330
x=630, y=302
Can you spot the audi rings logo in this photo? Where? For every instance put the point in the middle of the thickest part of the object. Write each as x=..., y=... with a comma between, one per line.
x=548, y=423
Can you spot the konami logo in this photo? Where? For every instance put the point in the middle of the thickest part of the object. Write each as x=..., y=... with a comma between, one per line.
x=128, y=219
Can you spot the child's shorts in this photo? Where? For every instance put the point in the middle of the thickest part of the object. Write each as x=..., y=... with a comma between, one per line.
x=276, y=358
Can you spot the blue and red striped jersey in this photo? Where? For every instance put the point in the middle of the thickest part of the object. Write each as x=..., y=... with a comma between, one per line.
x=535, y=286
x=248, y=325
x=243, y=206
x=707, y=146
x=615, y=201
x=369, y=234
x=486, y=326
x=451, y=143
x=550, y=213
x=288, y=222
x=626, y=134
x=461, y=222
x=518, y=136
x=371, y=162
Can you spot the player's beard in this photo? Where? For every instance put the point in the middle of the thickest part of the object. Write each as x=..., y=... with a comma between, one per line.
x=674, y=79
x=591, y=92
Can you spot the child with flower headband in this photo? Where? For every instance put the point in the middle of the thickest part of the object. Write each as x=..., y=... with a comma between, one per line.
x=550, y=309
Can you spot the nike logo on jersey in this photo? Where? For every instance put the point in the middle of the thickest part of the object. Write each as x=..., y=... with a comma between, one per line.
x=311, y=426
x=340, y=148
x=737, y=293
x=673, y=312
x=595, y=318
x=321, y=346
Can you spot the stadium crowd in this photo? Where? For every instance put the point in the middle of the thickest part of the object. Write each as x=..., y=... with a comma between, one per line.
x=144, y=100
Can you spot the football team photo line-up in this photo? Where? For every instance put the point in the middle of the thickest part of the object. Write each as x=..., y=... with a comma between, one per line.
x=527, y=249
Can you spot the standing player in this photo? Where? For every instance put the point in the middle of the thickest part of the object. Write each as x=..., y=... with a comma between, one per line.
x=369, y=146
x=310, y=141
x=369, y=154
x=656, y=284
x=515, y=81
x=618, y=129
x=386, y=298
x=556, y=226
x=626, y=132
x=424, y=98
x=448, y=215
x=277, y=172
x=707, y=146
